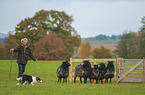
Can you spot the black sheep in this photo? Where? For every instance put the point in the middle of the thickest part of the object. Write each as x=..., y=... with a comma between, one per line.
x=110, y=71
x=95, y=74
x=63, y=71
x=83, y=71
x=102, y=71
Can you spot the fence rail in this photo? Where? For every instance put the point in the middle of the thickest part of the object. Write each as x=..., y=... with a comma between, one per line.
x=129, y=60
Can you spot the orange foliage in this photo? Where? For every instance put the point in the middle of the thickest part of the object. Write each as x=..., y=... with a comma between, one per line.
x=50, y=47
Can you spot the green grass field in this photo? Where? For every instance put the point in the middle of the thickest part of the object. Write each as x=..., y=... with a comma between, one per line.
x=46, y=70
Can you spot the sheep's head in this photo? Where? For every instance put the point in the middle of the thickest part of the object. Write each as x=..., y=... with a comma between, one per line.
x=66, y=63
x=110, y=64
x=95, y=67
x=102, y=66
x=86, y=63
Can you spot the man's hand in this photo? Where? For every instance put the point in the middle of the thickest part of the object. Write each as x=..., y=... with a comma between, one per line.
x=11, y=49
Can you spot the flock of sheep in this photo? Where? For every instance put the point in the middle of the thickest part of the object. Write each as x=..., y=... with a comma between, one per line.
x=86, y=71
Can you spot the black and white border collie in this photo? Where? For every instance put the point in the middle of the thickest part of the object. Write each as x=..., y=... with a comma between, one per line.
x=28, y=79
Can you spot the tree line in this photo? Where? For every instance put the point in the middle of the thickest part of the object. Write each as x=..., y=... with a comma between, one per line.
x=101, y=37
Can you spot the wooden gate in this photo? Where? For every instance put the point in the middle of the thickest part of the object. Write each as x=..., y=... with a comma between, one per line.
x=121, y=75
x=71, y=72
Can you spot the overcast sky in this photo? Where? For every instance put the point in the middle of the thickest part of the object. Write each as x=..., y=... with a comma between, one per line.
x=91, y=17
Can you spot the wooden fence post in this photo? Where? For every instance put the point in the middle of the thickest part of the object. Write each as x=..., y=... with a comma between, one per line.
x=117, y=71
x=120, y=64
x=70, y=70
x=94, y=61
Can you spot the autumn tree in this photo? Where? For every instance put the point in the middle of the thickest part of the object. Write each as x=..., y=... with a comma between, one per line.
x=101, y=53
x=42, y=23
x=85, y=49
x=50, y=47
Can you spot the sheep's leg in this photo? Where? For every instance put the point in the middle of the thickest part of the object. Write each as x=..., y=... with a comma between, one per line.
x=110, y=80
x=74, y=79
x=96, y=80
x=90, y=80
x=85, y=79
x=64, y=80
x=93, y=80
x=58, y=81
x=80, y=79
x=106, y=80
x=101, y=81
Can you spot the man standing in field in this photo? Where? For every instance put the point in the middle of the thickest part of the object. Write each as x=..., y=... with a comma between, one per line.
x=24, y=52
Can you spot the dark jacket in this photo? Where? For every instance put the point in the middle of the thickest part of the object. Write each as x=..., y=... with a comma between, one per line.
x=23, y=55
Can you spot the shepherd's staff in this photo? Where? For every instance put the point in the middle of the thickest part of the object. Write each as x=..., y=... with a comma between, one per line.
x=11, y=64
x=34, y=68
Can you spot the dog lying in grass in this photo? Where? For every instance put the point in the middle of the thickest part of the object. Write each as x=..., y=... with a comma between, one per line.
x=28, y=79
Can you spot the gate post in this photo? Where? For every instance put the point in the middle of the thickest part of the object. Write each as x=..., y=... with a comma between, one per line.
x=70, y=71
x=94, y=61
x=117, y=67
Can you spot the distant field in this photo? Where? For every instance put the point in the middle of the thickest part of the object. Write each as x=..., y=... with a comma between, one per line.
x=110, y=44
x=115, y=41
x=112, y=47
x=46, y=70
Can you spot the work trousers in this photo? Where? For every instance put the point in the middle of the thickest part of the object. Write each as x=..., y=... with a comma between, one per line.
x=21, y=69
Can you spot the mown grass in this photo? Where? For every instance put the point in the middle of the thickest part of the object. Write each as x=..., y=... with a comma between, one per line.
x=46, y=70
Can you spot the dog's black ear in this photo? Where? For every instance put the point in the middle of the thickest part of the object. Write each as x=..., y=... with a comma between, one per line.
x=37, y=78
